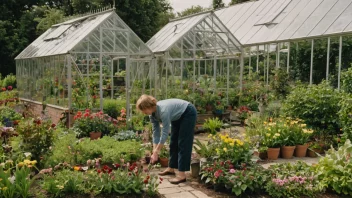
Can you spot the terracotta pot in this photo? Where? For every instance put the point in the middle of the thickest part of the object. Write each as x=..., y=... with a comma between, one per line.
x=263, y=155
x=301, y=150
x=95, y=135
x=208, y=108
x=287, y=151
x=273, y=153
x=312, y=153
x=164, y=162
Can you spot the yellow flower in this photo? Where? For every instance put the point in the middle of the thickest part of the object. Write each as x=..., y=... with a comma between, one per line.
x=225, y=149
x=303, y=125
x=27, y=162
x=277, y=134
x=20, y=164
x=268, y=135
x=4, y=188
x=232, y=144
x=210, y=135
x=217, y=151
x=265, y=123
x=33, y=162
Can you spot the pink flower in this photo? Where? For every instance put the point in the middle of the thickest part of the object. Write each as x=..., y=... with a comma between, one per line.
x=218, y=173
x=232, y=170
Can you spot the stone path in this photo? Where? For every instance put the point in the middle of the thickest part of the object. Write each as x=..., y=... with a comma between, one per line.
x=182, y=190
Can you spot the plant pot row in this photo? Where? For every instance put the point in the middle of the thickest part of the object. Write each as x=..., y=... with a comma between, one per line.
x=287, y=152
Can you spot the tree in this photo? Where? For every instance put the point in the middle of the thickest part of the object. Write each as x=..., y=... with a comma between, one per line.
x=218, y=4
x=233, y=2
x=51, y=17
x=191, y=10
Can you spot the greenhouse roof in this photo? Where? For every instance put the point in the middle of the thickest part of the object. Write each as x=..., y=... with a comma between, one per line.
x=62, y=38
x=272, y=21
x=178, y=28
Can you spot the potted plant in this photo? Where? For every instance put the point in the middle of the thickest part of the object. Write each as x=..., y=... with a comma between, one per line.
x=243, y=114
x=263, y=152
x=213, y=125
x=164, y=157
x=314, y=150
x=271, y=139
x=91, y=124
x=303, y=136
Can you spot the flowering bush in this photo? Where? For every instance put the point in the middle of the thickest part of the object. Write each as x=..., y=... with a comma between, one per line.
x=295, y=186
x=37, y=136
x=245, y=178
x=293, y=180
x=92, y=122
x=233, y=149
x=243, y=113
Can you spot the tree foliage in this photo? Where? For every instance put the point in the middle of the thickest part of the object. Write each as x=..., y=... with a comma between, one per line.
x=218, y=4
x=233, y=2
x=191, y=10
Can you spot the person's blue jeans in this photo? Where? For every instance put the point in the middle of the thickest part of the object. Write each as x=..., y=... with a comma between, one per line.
x=181, y=142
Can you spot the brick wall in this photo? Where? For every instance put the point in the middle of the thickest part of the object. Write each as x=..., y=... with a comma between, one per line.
x=52, y=111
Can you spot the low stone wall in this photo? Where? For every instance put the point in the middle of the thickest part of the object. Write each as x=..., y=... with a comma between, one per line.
x=52, y=111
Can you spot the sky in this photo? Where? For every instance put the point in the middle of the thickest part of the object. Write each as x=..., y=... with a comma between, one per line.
x=180, y=5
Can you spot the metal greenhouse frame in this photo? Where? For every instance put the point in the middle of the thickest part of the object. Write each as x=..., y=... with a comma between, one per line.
x=192, y=48
x=267, y=27
x=77, y=63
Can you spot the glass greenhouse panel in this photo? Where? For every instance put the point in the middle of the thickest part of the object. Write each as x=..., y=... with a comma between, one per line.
x=313, y=19
x=342, y=22
x=330, y=17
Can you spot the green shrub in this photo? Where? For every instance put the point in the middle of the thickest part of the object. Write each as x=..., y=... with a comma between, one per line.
x=9, y=80
x=345, y=115
x=212, y=124
x=346, y=78
x=316, y=105
x=112, y=107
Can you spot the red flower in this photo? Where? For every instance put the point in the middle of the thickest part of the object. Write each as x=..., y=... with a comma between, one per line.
x=117, y=165
x=4, y=89
x=161, y=179
x=9, y=88
x=99, y=171
x=87, y=111
x=53, y=125
x=146, y=181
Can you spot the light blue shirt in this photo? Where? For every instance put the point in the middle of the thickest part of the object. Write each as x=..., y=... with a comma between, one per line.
x=166, y=111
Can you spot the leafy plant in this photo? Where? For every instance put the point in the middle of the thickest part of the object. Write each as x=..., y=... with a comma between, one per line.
x=280, y=84
x=212, y=124
x=164, y=153
x=335, y=169
x=203, y=150
x=112, y=107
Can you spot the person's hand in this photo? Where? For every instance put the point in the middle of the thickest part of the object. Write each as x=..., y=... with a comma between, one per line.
x=154, y=158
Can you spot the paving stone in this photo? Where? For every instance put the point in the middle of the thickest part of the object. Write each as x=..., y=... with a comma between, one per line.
x=180, y=195
x=173, y=190
x=166, y=184
x=187, y=188
x=182, y=184
x=199, y=194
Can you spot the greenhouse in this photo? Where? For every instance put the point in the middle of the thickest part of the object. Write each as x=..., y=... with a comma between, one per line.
x=309, y=36
x=78, y=63
x=197, y=57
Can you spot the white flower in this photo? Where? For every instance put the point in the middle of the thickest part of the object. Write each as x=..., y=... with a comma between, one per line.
x=27, y=154
x=12, y=179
